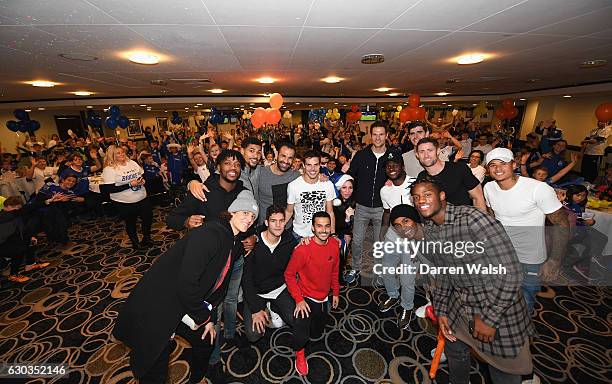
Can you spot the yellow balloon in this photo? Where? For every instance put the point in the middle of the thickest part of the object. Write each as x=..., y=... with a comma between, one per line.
x=335, y=110
x=396, y=114
x=399, y=108
x=337, y=115
x=330, y=111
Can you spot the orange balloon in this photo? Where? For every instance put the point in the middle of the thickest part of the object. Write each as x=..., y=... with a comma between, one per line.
x=259, y=117
x=276, y=100
x=501, y=114
x=420, y=115
x=414, y=100
x=413, y=113
x=354, y=108
x=350, y=116
x=357, y=115
x=512, y=113
x=604, y=112
x=507, y=104
x=273, y=116
x=404, y=115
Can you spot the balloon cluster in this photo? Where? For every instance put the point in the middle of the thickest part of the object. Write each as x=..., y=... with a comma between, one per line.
x=481, y=109
x=23, y=123
x=413, y=112
x=115, y=119
x=247, y=115
x=332, y=114
x=604, y=112
x=176, y=119
x=216, y=117
x=317, y=114
x=287, y=115
x=270, y=115
x=354, y=114
x=507, y=111
x=93, y=119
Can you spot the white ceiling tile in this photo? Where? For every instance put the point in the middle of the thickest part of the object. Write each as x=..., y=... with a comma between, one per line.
x=605, y=34
x=517, y=43
x=536, y=14
x=53, y=12
x=348, y=13
x=262, y=47
x=593, y=22
x=261, y=12
x=449, y=15
x=156, y=12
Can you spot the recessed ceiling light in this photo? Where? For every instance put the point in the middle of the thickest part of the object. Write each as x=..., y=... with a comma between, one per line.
x=373, y=58
x=332, y=79
x=442, y=93
x=242, y=106
x=522, y=99
x=473, y=58
x=143, y=105
x=89, y=106
x=335, y=103
x=450, y=105
x=444, y=103
x=42, y=83
x=310, y=105
x=393, y=94
x=593, y=63
x=383, y=89
x=532, y=80
x=82, y=93
x=41, y=109
x=199, y=104
x=265, y=80
x=474, y=104
x=28, y=110
x=217, y=90
x=78, y=57
x=145, y=58
x=251, y=103
x=165, y=111
x=567, y=96
x=297, y=103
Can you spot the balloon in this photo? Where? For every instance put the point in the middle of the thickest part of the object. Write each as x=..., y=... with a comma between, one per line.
x=115, y=111
x=399, y=108
x=357, y=115
x=12, y=126
x=501, y=114
x=174, y=113
x=337, y=115
x=512, y=113
x=124, y=122
x=455, y=112
x=34, y=125
x=22, y=126
x=396, y=114
x=421, y=113
x=414, y=100
x=111, y=122
x=276, y=100
x=259, y=117
x=335, y=110
x=20, y=114
x=354, y=108
x=404, y=115
x=604, y=112
x=507, y=103
x=273, y=116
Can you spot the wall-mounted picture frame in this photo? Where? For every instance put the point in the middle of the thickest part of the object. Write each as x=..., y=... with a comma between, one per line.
x=134, y=128
x=162, y=124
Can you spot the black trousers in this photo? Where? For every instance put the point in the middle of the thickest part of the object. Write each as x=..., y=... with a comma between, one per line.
x=17, y=252
x=130, y=212
x=311, y=326
x=590, y=167
x=283, y=305
x=197, y=357
x=55, y=221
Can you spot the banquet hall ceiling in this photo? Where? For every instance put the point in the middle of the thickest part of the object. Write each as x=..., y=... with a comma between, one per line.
x=298, y=42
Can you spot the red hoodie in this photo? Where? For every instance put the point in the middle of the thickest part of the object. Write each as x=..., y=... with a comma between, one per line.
x=317, y=268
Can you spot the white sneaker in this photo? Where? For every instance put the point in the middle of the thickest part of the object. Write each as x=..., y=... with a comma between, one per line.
x=275, y=320
x=420, y=312
x=534, y=380
x=442, y=357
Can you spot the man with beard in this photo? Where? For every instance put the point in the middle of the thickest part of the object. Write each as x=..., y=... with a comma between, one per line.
x=393, y=195
x=522, y=205
x=307, y=195
x=317, y=265
x=460, y=186
x=416, y=131
x=263, y=281
x=484, y=309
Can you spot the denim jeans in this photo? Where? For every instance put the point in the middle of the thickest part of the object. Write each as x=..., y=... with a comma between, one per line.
x=406, y=280
x=460, y=360
x=361, y=220
x=228, y=309
x=531, y=284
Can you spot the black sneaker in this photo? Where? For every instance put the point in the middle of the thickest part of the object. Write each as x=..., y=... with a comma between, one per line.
x=215, y=374
x=386, y=305
x=403, y=320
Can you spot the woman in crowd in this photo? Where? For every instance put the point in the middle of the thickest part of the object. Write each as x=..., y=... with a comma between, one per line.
x=180, y=293
x=344, y=210
x=122, y=178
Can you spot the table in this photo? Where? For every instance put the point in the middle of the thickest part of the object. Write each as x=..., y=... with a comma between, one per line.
x=15, y=187
x=603, y=223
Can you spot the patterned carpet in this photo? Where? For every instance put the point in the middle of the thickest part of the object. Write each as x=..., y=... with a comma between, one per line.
x=66, y=313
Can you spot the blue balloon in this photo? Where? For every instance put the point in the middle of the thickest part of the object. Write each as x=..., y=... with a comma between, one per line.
x=12, y=126
x=111, y=122
x=20, y=114
x=177, y=120
x=124, y=122
x=33, y=125
x=22, y=126
x=115, y=111
x=175, y=114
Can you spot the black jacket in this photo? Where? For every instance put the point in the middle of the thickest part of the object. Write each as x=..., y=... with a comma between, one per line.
x=370, y=176
x=14, y=227
x=178, y=283
x=264, y=271
x=217, y=201
x=342, y=227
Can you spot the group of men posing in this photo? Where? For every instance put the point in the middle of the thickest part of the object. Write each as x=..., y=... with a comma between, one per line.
x=413, y=196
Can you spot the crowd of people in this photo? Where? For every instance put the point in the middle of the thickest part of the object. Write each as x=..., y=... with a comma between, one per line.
x=277, y=213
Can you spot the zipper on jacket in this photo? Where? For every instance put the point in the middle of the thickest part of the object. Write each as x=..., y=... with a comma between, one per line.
x=374, y=181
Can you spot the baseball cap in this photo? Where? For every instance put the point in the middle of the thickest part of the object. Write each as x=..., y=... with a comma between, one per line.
x=503, y=154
